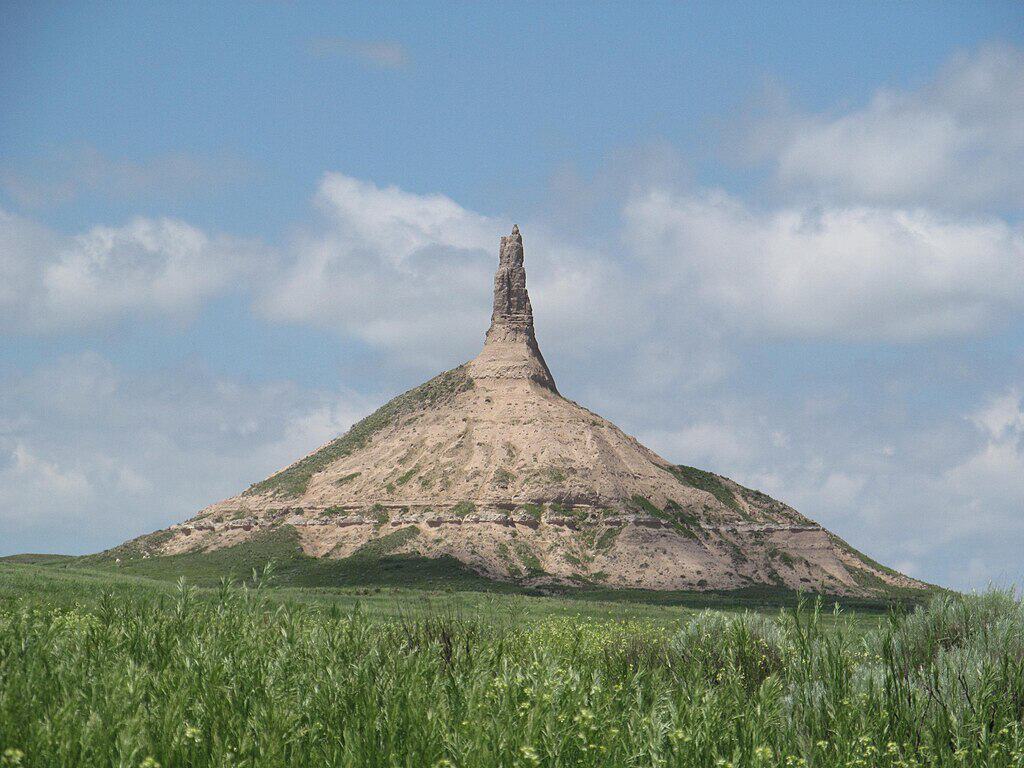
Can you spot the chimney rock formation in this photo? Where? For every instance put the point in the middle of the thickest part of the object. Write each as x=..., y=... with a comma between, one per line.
x=488, y=464
x=510, y=347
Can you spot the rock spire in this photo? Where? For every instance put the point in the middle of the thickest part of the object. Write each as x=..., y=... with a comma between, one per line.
x=510, y=347
x=513, y=315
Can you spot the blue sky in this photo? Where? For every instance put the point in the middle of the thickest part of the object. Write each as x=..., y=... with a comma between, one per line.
x=782, y=243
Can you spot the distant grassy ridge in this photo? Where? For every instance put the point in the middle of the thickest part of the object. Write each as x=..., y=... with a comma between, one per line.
x=374, y=565
x=377, y=565
x=38, y=559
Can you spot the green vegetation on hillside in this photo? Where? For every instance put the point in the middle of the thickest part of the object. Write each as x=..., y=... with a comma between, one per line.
x=463, y=508
x=33, y=559
x=145, y=674
x=682, y=521
x=533, y=510
x=373, y=565
x=346, y=478
x=868, y=576
x=706, y=481
x=386, y=544
x=607, y=538
x=293, y=480
x=406, y=476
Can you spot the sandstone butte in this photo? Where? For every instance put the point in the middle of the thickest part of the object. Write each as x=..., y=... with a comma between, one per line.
x=489, y=464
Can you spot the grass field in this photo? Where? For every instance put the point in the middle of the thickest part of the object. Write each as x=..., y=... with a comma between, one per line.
x=106, y=668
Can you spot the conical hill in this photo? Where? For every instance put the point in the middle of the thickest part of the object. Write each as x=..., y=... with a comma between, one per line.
x=489, y=464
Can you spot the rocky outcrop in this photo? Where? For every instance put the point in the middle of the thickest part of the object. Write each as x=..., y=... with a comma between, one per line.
x=510, y=346
x=512, y=318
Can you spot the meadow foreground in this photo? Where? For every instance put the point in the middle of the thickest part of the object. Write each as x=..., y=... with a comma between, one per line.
x=239, y=677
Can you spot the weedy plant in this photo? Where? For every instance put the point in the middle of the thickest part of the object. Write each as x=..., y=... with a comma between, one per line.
x=231, y=678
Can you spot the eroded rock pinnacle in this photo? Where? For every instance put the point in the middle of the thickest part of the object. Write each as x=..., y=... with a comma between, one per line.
x=510, y=349
x=511, y=300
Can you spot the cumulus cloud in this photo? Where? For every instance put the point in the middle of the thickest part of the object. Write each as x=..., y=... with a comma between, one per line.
x=994, y=474
x=91, y=454
x=979, y=502
x=411, y=274
x=1002, y=418
x=391, y=268
x=382, y=54
x=723, y=444
x=30, y=475
x=957, y=141
x=144, y=268
x=859, y=273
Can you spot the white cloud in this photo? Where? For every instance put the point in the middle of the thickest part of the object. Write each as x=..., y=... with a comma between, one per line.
x=849, y=273
x=400, y=223
x=704, y=444
x=144, y=268
x=841, y=489
x=391, y=268
x=91, y=455
x=992, y=478
x=1002, y=417
x=23, y=245
x=407, y=274
x=65, y=486
x=956, y=141
x=383, y=54
x=411, y=274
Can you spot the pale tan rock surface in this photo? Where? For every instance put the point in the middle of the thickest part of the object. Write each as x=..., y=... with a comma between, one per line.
x=490, y=464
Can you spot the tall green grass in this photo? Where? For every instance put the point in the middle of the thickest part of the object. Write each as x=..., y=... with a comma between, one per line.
x=232, y=678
